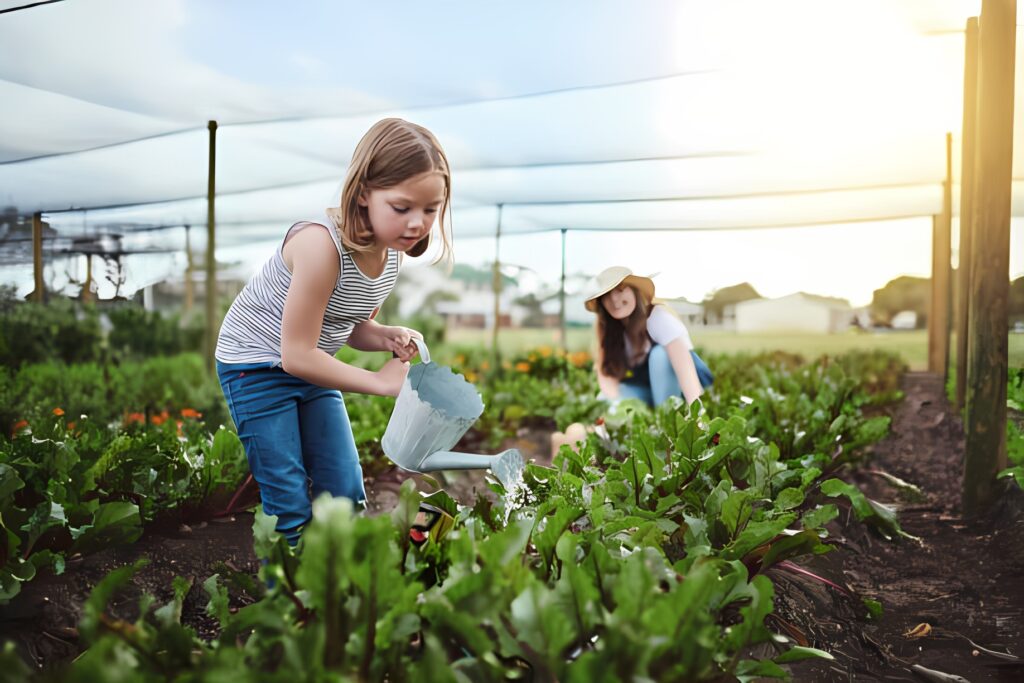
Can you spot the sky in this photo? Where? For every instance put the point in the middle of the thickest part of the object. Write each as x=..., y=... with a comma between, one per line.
x=751, y=98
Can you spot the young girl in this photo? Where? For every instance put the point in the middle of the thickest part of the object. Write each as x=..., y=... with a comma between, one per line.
x=319, y=291
x=644, y=350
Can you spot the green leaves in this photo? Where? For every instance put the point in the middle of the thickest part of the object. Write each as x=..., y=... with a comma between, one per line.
x=879, y=516
x=112, y=524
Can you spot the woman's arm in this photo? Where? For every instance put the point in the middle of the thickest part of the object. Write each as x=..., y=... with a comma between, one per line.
x=609, y=385
x=314, y=274
x=686, y=372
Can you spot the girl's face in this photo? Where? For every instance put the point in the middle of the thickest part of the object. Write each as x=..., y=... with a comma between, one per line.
x=620, y=302
x=403, y=214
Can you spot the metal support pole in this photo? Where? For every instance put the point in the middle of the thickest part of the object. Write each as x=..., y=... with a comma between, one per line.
x=211, y=261
x=967, y=153
x=985, y=423
x=189, y=269
x=37, y=256
x=561, y=300
x=496, y=284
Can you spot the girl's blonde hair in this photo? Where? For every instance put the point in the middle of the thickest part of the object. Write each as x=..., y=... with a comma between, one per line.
x=391, y=152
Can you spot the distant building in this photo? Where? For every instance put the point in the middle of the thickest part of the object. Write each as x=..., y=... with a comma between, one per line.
x=691, y=314
x=904, y=320
x=801, y=312
x=466, y=301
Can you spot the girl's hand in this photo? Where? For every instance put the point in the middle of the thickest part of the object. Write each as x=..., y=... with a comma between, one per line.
x=391, y=376
x=398, y=340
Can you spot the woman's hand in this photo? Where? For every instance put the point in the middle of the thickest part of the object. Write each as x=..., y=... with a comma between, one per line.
x=391, y=376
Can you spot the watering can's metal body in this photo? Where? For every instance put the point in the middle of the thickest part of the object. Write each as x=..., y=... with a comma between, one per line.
x=435, y=407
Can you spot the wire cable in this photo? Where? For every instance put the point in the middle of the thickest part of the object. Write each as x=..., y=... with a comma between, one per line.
x=29, y=6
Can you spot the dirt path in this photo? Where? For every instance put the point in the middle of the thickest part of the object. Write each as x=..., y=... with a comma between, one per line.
x=965, y=579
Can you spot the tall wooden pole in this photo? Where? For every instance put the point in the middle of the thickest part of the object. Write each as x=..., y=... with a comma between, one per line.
x=561, y=300
x=37, y=256
x=938, y=340
x=967, y=160
x=496, y=285
x=985, y=424
x=87, y=287
x=211, y=261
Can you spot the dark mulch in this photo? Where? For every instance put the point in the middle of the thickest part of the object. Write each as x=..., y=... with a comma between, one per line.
x=42, y=620
x=964, y=579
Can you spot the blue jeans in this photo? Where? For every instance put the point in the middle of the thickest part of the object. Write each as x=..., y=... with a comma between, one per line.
x=297, y=439
x=662, y=381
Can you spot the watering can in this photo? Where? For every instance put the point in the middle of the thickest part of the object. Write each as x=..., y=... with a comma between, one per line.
x=434, y=408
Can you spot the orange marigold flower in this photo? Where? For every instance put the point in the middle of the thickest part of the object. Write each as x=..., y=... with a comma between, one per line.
x=485, y=365
x=522, y=366
x=71, y=425
x=579, y=358
x=190, y=412
x=58, y=411
x=134, y=417
x=19, y=425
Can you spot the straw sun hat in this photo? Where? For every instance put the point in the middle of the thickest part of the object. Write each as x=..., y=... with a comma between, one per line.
x=610, y=278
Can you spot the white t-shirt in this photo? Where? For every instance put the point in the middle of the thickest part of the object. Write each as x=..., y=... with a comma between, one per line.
x=664, y=328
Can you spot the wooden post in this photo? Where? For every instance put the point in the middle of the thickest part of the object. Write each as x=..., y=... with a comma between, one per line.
x=561, y=301
x=496, y=285
x=37, y=256
x=86, y=295
x=985, y=424
x=967, y=154
x=938, y=320
x=211, y=261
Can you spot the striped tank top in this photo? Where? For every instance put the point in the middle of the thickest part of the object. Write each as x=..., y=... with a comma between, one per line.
x=251, y=331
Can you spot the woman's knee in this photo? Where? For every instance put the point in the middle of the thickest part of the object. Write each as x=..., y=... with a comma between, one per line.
x=658, y=359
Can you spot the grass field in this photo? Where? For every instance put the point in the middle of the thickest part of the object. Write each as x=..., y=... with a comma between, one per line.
x=911, y=346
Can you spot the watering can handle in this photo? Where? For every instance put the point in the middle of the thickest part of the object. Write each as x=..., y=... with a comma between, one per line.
x=421, y=346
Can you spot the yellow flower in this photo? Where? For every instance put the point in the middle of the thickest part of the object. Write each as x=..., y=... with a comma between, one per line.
x=522, y=366
x=485, y=366
x=544, y=351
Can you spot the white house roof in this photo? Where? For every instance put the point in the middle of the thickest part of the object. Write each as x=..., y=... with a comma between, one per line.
x=825, y=301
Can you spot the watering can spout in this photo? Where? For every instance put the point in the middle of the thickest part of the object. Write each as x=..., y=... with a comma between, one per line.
x=507, y=466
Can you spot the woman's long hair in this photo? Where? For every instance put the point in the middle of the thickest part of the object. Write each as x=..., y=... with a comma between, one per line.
x=612, y=334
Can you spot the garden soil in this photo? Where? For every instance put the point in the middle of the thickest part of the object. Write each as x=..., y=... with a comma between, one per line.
x=964, y=578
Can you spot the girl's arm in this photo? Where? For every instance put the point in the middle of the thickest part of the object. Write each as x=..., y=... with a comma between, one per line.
x=370, y=335
x=314, y=274
x=686, y=372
